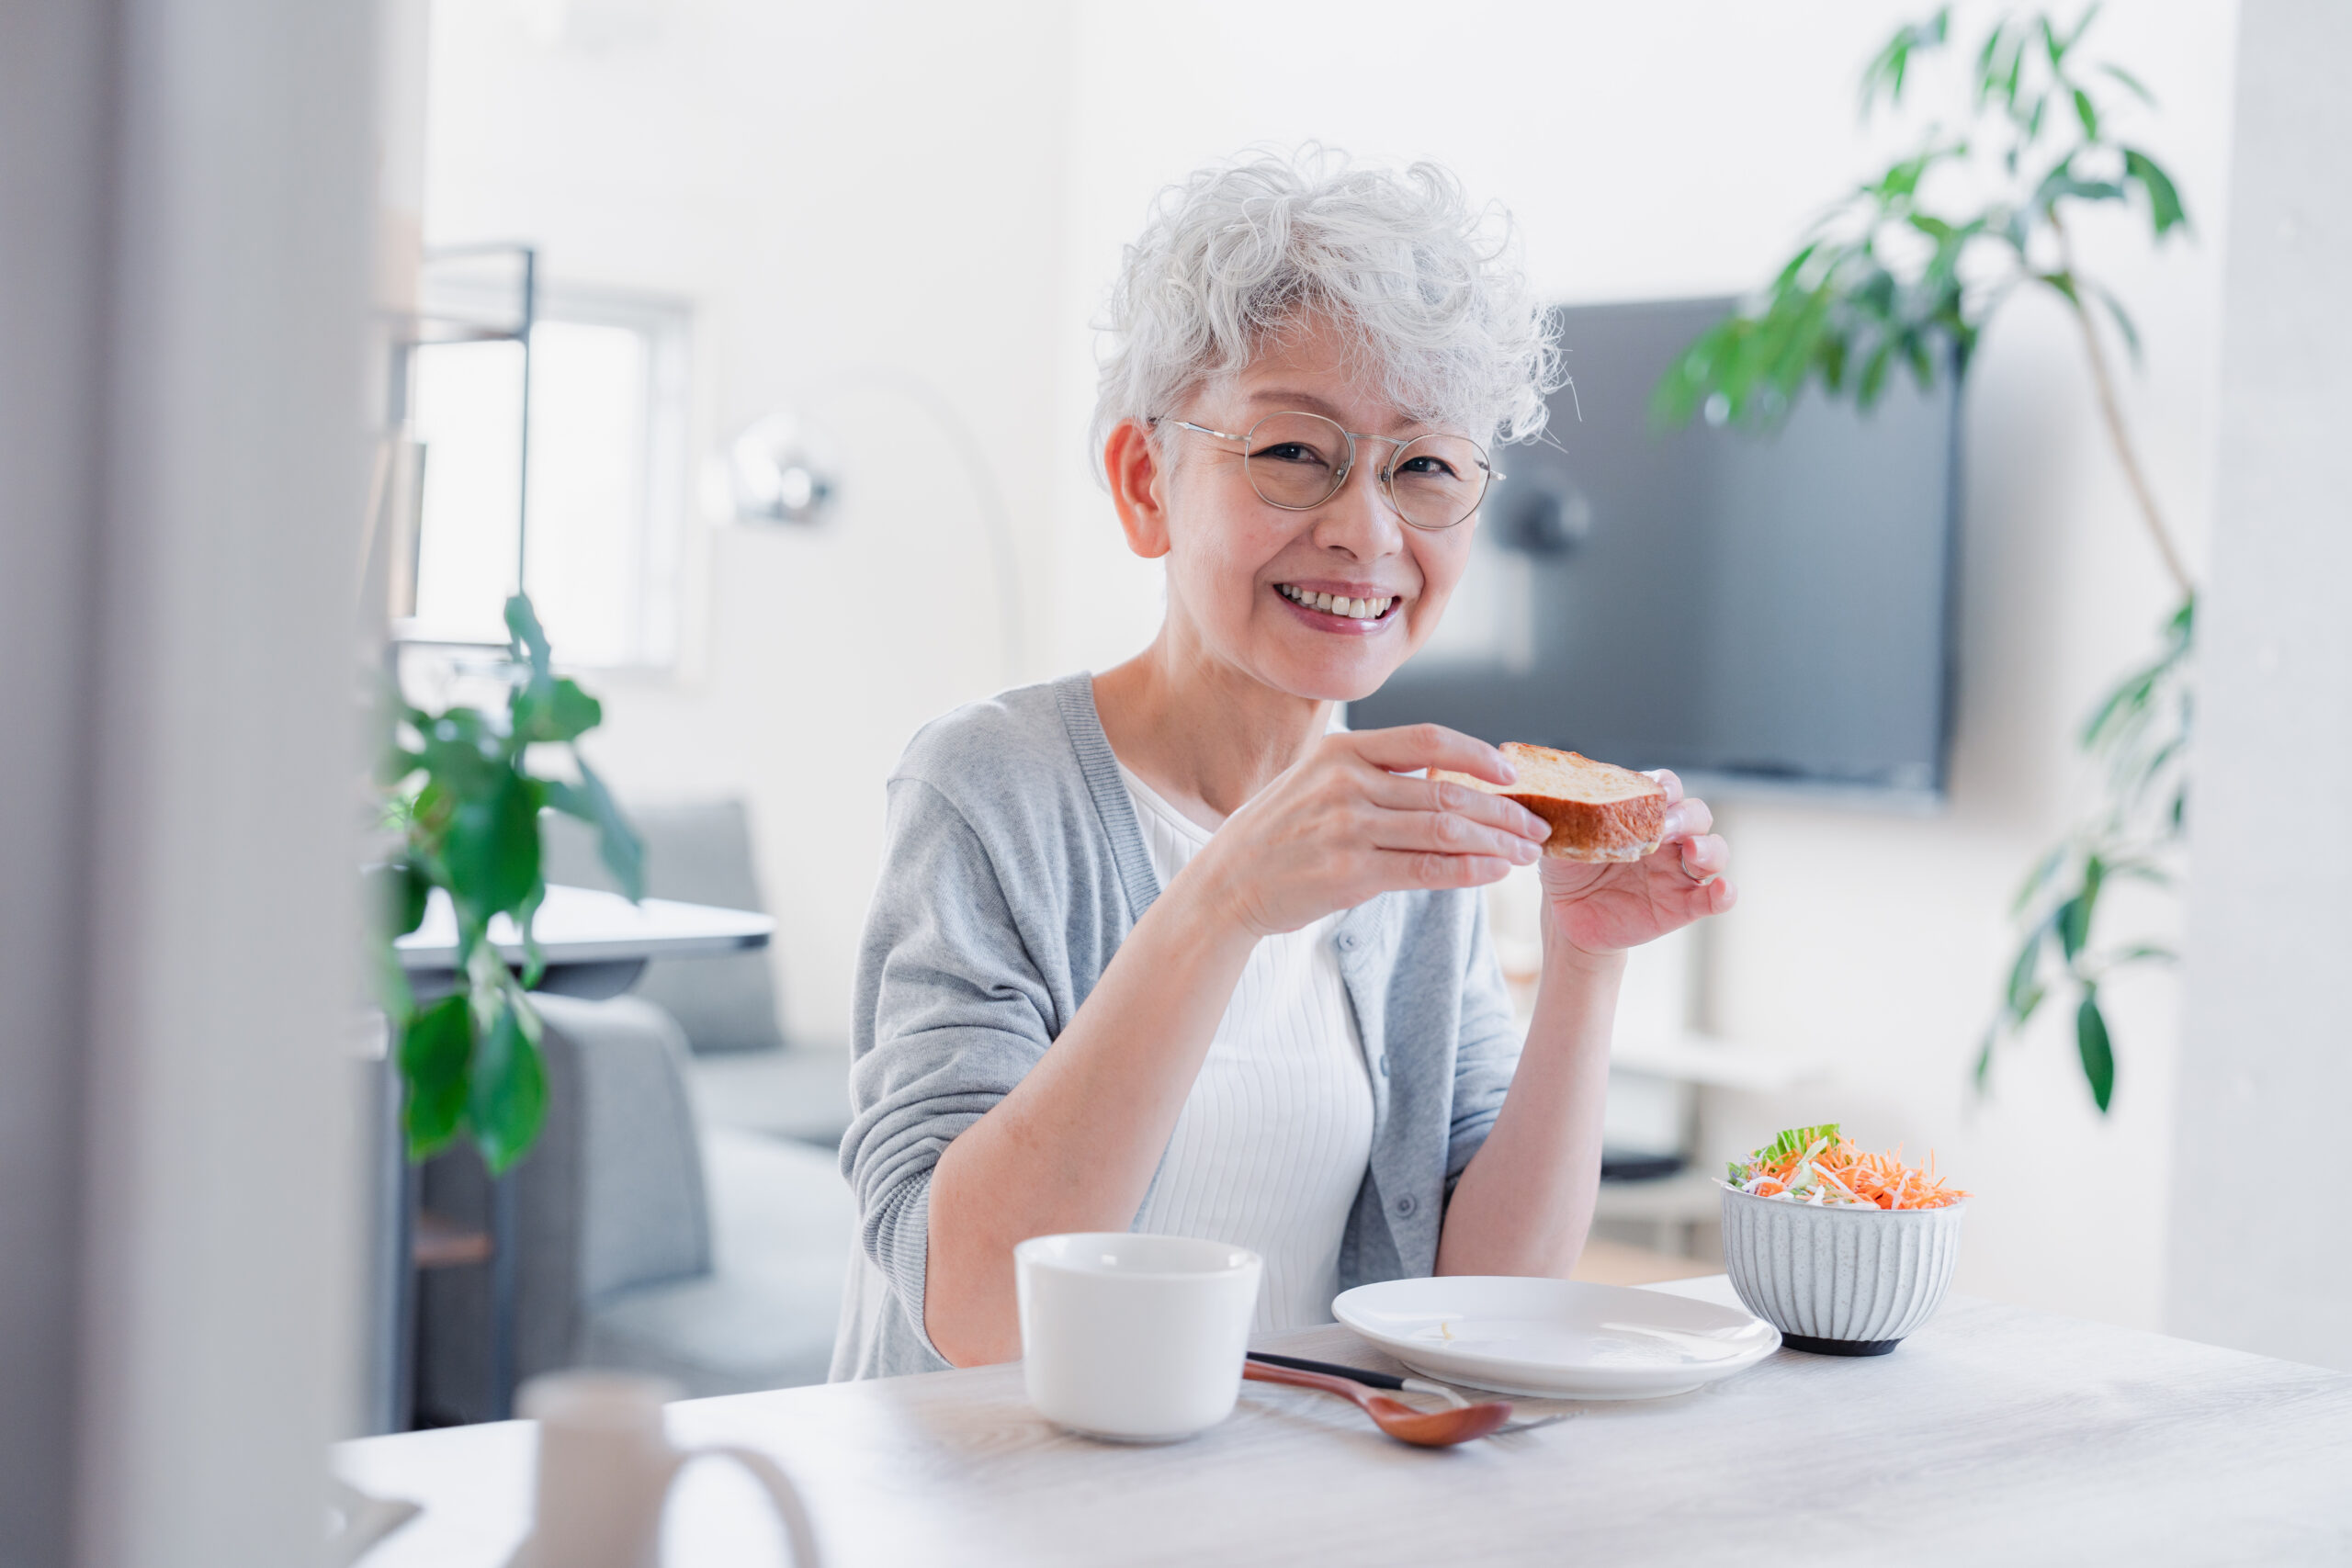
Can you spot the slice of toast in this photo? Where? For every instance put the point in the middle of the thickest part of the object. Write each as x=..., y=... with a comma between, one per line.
x=1598, y=812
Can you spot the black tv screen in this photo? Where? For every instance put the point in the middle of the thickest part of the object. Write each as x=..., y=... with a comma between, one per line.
x=1749, y=608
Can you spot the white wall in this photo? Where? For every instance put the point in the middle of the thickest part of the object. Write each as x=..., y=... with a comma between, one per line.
x=918, y=189
x=853, y=197
x=2260, y=1257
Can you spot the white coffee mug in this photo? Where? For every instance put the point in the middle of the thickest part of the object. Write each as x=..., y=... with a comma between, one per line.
x=605, y=1465
x=1135, y=1337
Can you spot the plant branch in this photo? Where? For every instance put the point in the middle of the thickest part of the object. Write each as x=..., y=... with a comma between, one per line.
x=2110, y=409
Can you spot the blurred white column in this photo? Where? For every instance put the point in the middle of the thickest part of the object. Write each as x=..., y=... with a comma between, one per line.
x=184, y=188
x=2261, y=1250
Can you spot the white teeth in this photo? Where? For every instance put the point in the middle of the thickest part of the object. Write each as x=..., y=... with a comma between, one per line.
x=1341, y=604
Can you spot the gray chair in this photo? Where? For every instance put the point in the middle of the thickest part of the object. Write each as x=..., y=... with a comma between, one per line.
x=701, y=852
x=697, y=853
x=715, y=1259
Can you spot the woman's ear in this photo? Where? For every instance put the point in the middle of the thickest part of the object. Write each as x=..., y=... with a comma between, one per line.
x=1139, y=488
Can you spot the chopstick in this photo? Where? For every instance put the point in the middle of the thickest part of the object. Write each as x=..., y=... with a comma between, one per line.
x=1362, y=1375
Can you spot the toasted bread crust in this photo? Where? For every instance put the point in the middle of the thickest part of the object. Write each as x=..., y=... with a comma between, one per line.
x=1625, y=830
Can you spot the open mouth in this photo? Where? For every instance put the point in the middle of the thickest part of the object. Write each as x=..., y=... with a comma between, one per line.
x=1339, y=604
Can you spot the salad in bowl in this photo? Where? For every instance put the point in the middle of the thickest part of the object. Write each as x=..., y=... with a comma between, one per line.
x=1845, y=1252
x=1822, y=1167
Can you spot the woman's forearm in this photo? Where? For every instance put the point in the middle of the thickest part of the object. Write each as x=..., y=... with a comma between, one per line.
x=1524, y=1204
x=1074, y=1146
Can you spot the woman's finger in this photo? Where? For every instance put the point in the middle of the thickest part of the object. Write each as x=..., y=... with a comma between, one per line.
x=1397, y=792
x=1402, y=870
x=1416, y=745
x=1448, y=832
x=1689, y=818
x=1705, y=858
x=1672, y=781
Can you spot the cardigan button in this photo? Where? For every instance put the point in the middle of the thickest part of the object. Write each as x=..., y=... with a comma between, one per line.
x=1405, y=1204
x=1383, y=1064
x=1348, y=941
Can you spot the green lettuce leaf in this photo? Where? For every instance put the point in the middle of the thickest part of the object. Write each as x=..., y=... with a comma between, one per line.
x=1796, y=1140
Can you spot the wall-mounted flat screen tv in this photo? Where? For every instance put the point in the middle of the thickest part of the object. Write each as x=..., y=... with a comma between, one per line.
x=1760, y=610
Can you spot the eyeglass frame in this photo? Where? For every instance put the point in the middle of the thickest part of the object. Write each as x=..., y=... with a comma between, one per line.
x=1384, y=478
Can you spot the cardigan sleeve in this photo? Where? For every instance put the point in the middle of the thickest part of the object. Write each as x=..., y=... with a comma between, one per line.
x=950, y=1013
x=1487, y=1049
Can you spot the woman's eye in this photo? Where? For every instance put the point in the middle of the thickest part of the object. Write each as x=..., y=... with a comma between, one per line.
x=1288, y=452
x=1425, y=468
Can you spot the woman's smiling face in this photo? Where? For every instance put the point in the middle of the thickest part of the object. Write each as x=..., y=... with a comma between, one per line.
x=1248, y=582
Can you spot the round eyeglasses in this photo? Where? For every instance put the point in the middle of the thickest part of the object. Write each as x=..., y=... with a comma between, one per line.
x=1297, y=461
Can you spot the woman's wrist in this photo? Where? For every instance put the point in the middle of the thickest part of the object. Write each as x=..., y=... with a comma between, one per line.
x=1563, y=956
x=1205, y=905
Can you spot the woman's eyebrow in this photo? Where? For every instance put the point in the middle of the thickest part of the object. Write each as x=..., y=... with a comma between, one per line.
x=1308, y=402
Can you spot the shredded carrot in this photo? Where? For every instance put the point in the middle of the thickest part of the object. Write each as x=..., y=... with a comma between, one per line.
x=1821, y=1165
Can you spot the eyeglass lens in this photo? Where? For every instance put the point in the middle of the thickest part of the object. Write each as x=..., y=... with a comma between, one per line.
x=1298, y=460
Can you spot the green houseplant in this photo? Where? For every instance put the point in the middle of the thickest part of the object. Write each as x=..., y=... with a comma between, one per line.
x=462, y=794
x=1901, y=278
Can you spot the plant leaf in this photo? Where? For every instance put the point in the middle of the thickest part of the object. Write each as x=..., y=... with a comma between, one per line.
x=2087, y=113
x=2023, y=995
x=2123, y=324
x=2082, y=25
x=2098, y=1051
x=1885, y=70
x=534, y=961
x=491, y=848
x=435, y=1052
x=553, y=710
x=393, y=993
x=2073, y=918
x=2165, y=210
x=396, y=894
x=616, y=842
x=2121, y=705
x=508, y=1097
x=2037, y=879
x=1984, y=1073
x=2131, y=83
x=530, y=641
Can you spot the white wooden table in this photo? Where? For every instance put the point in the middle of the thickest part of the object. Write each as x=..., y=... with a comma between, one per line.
x=1995, y=1436
x=595, y=943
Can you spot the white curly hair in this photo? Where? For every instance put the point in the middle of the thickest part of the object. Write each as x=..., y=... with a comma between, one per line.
x=1431, y=285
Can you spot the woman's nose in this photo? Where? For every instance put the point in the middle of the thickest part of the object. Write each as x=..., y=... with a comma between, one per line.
x=1357, y=518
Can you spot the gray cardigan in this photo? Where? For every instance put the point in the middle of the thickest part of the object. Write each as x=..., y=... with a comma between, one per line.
x=1014, y=868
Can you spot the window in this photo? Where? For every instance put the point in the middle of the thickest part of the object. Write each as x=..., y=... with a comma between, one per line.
x=602, y=514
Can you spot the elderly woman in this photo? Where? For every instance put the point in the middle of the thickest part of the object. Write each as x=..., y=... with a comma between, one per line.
x=1165, y=948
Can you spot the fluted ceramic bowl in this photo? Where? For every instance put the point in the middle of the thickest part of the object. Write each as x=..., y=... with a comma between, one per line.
x=1839, y=1282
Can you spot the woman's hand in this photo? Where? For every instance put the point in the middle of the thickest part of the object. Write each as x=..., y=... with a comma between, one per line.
x=1345, y=824
x=1607, y=907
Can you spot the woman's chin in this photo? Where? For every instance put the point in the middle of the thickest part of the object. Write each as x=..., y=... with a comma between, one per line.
x=1328, y=680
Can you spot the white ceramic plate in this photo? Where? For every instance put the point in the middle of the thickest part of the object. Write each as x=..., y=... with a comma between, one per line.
x=1556, y=1338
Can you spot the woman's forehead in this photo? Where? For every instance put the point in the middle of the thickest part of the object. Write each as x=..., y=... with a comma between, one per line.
x=1321, y=366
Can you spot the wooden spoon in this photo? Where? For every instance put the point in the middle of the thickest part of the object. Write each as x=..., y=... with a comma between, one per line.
x=1426, y=1430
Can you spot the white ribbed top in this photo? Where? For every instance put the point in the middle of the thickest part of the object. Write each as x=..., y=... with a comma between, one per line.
x=1275, y=1137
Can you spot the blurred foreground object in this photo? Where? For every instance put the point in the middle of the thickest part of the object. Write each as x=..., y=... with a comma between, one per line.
x=1885, y=282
